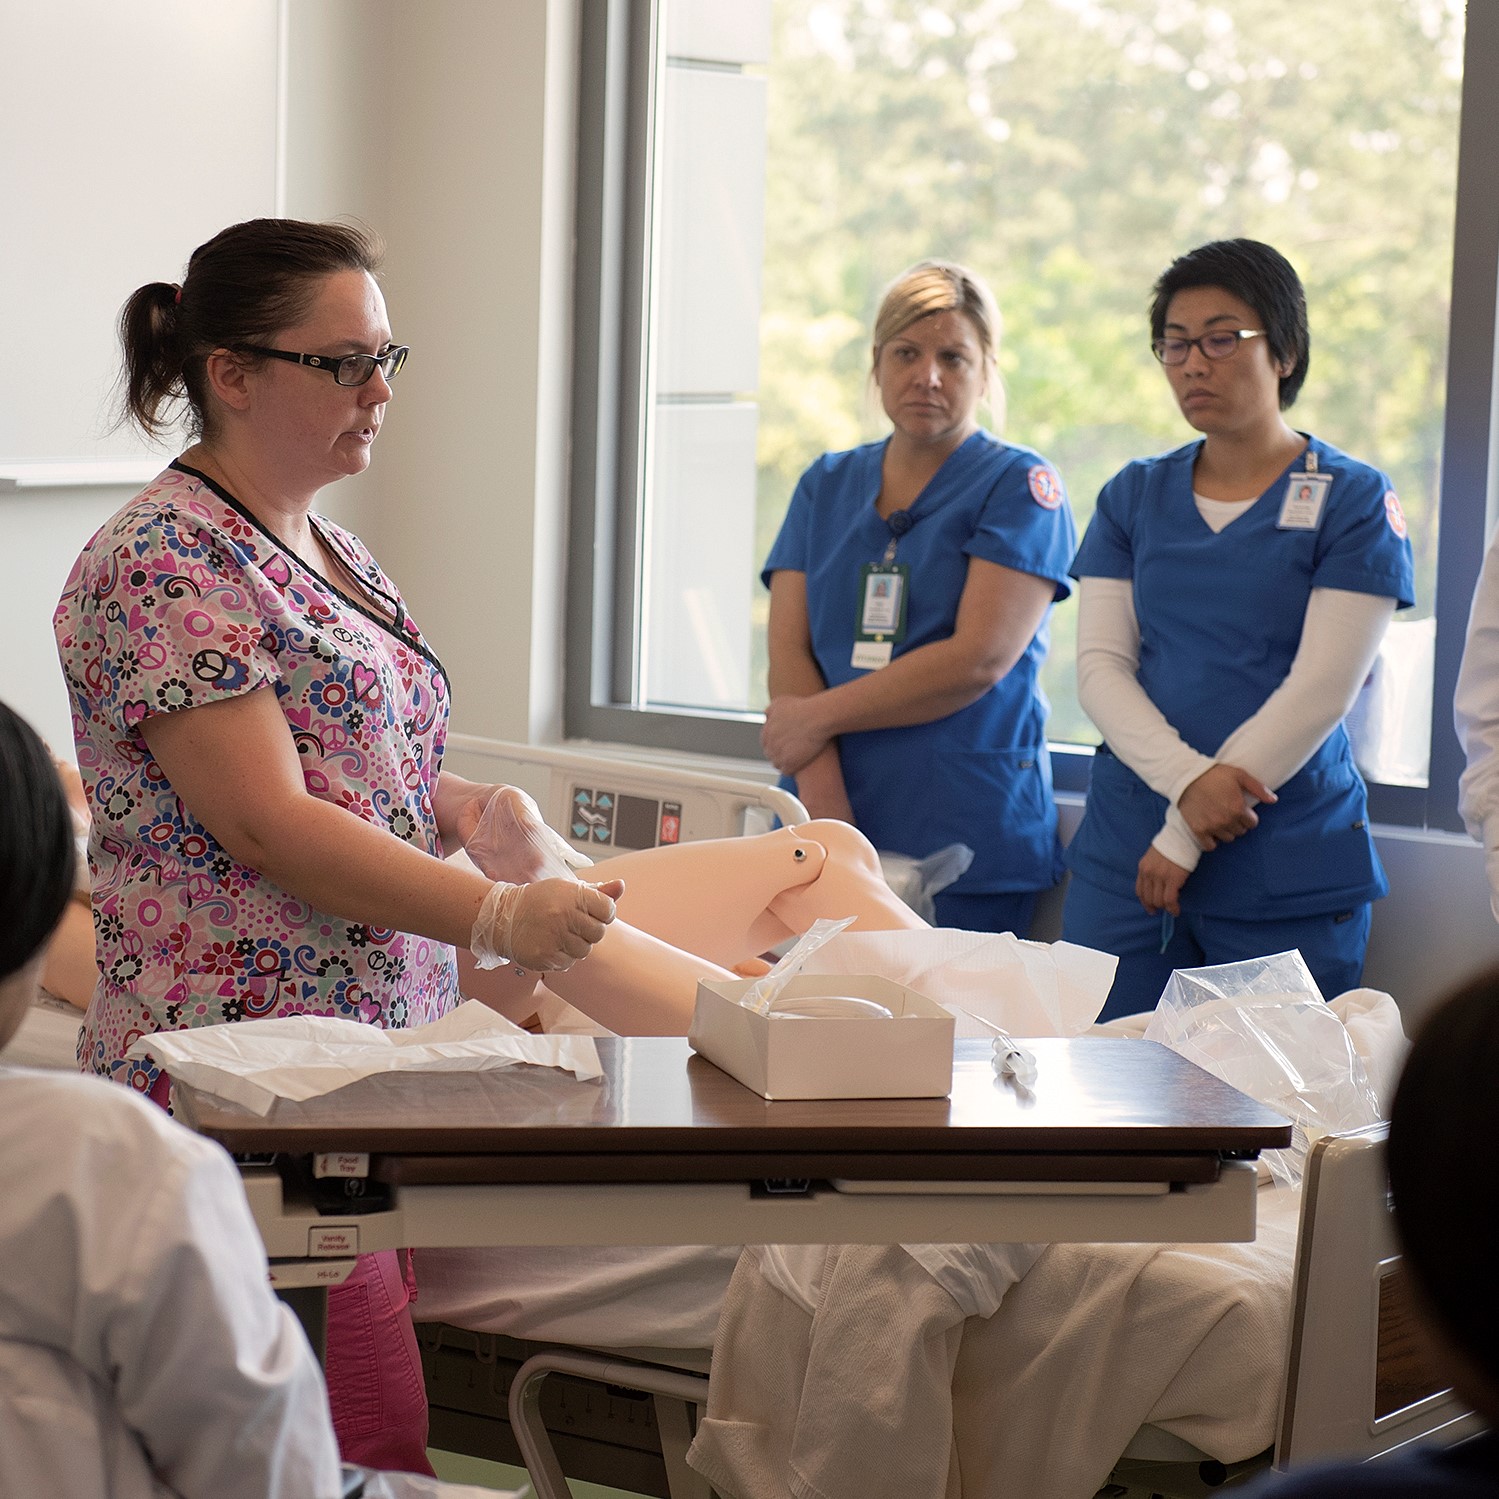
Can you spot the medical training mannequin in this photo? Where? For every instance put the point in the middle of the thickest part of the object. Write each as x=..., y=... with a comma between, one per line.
x=142, y=1352
x=1232, y=597
x=689, y=912
x=1444, y=1182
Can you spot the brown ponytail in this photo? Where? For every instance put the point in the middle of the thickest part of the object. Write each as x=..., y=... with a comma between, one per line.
x=153, y=367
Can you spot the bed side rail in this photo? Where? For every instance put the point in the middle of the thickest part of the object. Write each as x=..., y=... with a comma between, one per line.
x=1356, y=1384
x=604, y=800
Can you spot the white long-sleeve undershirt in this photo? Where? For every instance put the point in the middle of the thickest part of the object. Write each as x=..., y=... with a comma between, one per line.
x=1340, y=638
x=1475, y=712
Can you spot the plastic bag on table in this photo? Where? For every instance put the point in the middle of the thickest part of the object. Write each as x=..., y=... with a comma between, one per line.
x=1262, y=1027
x=918, y=882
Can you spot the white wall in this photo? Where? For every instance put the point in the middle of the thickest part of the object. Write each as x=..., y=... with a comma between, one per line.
x=468, y=176
x=41, y=532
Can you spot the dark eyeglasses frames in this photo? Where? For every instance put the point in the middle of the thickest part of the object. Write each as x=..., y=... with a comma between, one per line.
x=346, y=369
x=1221, y=343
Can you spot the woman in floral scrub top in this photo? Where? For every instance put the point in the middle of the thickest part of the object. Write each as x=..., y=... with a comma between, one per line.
x=184, y=597
x=260, y=728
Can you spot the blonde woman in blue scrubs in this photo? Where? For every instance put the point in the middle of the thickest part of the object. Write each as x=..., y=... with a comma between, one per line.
x=910, y=586
x=1232, y=597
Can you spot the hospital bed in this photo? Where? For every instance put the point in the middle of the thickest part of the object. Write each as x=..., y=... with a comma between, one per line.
x=1349, y=1378
x=1350, y=1382
x=626, y=1414
x=617, y=801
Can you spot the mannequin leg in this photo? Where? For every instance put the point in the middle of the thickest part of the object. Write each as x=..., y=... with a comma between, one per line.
x=850, y=884
x=695, y=910
x=714, y=898
x=631, y=982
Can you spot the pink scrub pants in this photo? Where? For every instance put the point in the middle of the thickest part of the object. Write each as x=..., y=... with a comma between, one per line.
x=373, y=1369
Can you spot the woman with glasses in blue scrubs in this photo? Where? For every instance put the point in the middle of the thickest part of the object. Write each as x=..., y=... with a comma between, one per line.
x=909, y=592
x=1232, y=597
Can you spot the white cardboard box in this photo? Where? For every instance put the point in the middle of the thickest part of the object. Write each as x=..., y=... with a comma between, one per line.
x=909, y=1056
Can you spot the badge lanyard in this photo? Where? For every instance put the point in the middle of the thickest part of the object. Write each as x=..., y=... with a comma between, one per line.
x=1306, y=497
x=884, y=592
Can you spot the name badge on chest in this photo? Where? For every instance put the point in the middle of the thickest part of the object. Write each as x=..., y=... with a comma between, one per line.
x=1306, y=496
x=882, y=613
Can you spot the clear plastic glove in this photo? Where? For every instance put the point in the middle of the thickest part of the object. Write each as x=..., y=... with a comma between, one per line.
x=546, y=927
x=512, y=842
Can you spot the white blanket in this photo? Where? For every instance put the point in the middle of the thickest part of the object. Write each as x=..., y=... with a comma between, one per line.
x=843, y=1372
x=889, y=1389
x=48, y=1036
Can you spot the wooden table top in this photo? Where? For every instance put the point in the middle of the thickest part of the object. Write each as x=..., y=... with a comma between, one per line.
x=1101, y=1109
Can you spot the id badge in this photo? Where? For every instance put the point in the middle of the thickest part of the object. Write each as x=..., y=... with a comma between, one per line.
x=881, y=625
x=1306, y=495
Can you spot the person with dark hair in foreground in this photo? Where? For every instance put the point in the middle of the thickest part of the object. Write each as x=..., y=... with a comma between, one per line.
x=1232, y=598
x=142, y=1352
x=1444, y=1182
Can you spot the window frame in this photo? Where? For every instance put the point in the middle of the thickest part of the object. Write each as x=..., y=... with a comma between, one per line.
x=619, y=90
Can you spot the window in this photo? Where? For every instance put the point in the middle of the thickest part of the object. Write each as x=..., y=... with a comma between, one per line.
x=753, y=174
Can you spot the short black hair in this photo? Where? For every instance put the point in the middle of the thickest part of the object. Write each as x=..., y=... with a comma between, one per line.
x=36, y=844
x=1259, y=275
x=1444, y=1175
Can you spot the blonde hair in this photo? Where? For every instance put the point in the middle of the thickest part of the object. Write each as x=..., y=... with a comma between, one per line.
x=943, y=286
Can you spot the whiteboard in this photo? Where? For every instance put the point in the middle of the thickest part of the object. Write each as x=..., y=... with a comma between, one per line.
x=133, y=131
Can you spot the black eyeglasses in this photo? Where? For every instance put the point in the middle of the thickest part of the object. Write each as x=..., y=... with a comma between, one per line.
x=347, y=369
x=1221, y=343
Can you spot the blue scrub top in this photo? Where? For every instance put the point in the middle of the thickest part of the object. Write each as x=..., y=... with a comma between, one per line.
x=1220, y=622
x=980, y=776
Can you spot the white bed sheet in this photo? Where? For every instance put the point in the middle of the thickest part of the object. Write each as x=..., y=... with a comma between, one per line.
x=1096, y=1341
x=1213, y=1318
x=48, y=1036
x=1036, y=1402
x=604, y=1297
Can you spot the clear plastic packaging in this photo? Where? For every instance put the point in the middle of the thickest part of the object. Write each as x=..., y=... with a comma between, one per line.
x=1262, y=1026
x=918, y=882
x=761, y=996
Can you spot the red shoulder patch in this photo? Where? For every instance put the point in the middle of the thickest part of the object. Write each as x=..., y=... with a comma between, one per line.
x=1046, y=487
x=1395, y=515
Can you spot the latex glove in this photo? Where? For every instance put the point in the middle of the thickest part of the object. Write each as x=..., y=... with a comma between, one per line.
x=511, y=842
x=547, y=926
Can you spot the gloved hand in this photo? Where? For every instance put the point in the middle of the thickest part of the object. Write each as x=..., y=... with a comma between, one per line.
x=547, y=926
x=511, y=841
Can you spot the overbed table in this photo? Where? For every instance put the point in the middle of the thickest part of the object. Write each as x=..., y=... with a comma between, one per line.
x=1120, y=1140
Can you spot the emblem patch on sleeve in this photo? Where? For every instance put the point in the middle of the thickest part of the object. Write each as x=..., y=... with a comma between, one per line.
x=1394, y=514
x=1046, y=487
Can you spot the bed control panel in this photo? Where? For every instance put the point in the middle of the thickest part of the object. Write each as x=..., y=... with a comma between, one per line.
x=601, y=818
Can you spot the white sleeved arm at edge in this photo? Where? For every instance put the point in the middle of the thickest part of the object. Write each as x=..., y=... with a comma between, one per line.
x=1339, y=640
x=1475, y=713
x=1108, y=687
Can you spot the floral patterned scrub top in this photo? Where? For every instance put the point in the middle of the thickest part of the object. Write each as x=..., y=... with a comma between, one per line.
x=182, y=599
